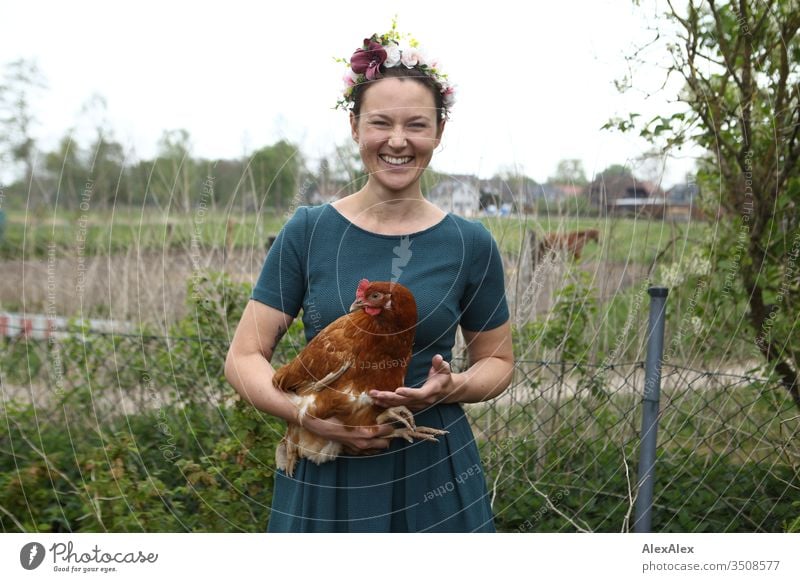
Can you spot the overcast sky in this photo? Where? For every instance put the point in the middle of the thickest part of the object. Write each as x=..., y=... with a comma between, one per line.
x=535, y=81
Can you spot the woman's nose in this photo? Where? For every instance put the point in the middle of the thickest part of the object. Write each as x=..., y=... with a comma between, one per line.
x=397, y=139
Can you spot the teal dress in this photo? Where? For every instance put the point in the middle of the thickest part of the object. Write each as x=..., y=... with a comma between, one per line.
x=455, y=272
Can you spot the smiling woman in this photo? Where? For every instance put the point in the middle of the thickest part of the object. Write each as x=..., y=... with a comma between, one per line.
x=397, y=130
x=399, y=102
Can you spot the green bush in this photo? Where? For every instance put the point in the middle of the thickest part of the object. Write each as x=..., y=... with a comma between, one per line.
x=141, y=434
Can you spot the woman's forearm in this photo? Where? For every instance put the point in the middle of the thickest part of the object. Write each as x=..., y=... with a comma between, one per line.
x=482, y=381
x=251, y=376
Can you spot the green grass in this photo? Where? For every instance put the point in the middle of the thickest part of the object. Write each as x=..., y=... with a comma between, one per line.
x=115, y=231
x=623, y=240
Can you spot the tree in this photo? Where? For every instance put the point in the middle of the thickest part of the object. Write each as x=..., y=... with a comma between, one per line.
x=274, y=173
x=22, y=79
x=739, y=62
x=174, y=171
x=348, y=168
x=107, y=171
x=569, y=172
x=106, y=180
x=66, y=172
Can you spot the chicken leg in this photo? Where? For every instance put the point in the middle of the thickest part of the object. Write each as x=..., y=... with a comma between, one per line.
x=411, y=430
x=420, y=432
x=399, y=414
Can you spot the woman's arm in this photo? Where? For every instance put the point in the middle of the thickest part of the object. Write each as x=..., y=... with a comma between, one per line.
x=491, y=366
x=247, y=365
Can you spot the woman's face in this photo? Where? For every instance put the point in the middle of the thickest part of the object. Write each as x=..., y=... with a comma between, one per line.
x=396, y=132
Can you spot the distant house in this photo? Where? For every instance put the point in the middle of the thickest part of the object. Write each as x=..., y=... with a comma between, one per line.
x=550, y=192
x=569, y=190
x=518, y=194
x=622, y=194
x=457, y=194
x=556, y=192
x=641, y=206
x=683, y=203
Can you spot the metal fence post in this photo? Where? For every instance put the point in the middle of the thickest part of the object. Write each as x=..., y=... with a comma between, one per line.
x=650, y=400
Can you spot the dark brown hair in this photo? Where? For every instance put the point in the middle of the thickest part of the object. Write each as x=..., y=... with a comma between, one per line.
x=403, y=72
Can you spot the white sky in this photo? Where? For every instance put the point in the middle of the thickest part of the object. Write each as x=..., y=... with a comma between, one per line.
x=534, y=80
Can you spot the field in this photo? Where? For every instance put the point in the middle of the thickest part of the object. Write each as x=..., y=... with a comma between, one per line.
x=135, y=264
x=625, y=240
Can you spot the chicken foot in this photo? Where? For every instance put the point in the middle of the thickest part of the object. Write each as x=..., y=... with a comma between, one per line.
x=420, y=432
x=411, y=430
x=399, y=414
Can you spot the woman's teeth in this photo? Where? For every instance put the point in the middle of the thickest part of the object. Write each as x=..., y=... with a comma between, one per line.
x=396, y=161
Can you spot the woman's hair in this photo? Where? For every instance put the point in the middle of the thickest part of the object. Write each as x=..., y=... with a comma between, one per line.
x=404, y=73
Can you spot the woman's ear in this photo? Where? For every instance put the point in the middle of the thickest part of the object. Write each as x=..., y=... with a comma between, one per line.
x=354, y=126
x=439, y=132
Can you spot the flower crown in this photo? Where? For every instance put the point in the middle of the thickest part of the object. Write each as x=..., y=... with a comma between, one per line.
x=379, y=53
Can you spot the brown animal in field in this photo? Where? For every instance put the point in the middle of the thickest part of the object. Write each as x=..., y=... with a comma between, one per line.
x=570, y=242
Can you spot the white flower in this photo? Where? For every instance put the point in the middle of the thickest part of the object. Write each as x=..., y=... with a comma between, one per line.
x=672, y=275
x=411, y=57
x=392, y=55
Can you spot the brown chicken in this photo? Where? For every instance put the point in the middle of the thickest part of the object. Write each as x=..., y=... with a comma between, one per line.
x=369, y=348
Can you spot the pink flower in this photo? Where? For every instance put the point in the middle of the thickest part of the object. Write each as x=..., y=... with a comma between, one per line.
x=449, y=96
x=350, y=78
x=369, y=59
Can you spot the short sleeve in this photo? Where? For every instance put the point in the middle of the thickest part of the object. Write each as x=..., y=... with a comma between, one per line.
x=282, y=281
x=484, y=305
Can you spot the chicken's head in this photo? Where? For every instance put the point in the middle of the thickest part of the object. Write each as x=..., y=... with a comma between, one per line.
x=384, y=297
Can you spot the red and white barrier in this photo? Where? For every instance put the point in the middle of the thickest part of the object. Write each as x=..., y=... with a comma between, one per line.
x=41, y=327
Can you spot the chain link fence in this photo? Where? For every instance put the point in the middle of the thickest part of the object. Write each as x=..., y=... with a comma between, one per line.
x=561, y=446
x=569, y=435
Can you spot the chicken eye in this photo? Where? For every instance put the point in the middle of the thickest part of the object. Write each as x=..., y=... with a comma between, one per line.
x=375, y=295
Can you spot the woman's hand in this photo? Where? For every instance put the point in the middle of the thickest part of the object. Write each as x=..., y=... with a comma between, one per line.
x=359, y=440
x=436, y=388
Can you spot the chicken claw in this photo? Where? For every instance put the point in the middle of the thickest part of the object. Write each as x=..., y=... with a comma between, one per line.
x=421, y=432
x=399, y=414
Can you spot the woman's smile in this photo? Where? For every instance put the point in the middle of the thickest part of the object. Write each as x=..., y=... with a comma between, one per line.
x=396, y=161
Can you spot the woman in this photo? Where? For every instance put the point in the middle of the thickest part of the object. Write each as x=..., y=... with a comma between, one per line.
x=386, y=231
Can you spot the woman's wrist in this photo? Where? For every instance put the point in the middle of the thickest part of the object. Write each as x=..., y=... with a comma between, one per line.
x=457, y=389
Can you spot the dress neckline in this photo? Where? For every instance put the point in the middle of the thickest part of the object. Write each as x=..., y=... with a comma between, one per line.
x=351, y=224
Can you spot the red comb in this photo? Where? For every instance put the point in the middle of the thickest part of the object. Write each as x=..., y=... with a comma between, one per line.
x=362, y=288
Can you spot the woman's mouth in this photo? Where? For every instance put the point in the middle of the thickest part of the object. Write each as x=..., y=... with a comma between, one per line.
x=396, y=161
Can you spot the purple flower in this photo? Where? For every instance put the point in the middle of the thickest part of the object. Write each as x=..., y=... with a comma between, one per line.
x=369, y=59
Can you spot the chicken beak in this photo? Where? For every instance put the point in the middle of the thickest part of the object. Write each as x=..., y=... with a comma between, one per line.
x=357, y=304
